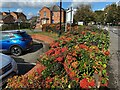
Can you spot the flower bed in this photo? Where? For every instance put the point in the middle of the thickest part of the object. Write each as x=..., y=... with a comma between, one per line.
x=77, y=60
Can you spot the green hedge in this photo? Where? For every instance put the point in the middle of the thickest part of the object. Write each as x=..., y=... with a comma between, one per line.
x=15, y=26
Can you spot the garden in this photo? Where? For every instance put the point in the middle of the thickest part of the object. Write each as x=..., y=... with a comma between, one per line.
x=78, y=59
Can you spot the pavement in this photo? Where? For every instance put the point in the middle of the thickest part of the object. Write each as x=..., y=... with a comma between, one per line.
x=114, y=63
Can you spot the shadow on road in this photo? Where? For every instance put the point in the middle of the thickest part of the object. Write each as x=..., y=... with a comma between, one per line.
x=35, y=47
x=24, y=68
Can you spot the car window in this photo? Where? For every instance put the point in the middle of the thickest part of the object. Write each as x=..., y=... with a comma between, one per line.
x=23, y=34
x=11, y=35
x=4, y=37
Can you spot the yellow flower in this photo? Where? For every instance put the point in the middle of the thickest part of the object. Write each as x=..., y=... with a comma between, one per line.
x=76, y=47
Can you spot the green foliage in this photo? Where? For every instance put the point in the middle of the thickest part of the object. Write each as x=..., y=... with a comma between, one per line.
x=84, y=13
x=72, y=61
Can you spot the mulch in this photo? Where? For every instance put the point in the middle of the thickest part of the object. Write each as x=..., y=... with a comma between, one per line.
x=44, y=38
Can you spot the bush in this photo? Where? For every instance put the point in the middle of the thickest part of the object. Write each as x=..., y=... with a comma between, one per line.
x=15, y=26
x=76, y=60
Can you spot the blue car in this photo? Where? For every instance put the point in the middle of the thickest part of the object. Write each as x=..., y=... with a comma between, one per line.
x=15, y=41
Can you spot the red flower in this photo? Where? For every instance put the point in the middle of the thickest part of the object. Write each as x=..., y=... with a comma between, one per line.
x=105, y=85
x=92, y=83
x=107, y=53
x=60, y=59
x=39, y=70
x=82, y=46
x=51, y=51
x=76, y=79
x=57, y=52
x=48, y=79
x=84, y=83
x=64, y=42
x=64, y=49
x=55, y=44
x=83, y=32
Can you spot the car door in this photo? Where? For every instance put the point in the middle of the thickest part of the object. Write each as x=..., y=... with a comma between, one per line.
x=5, y=42
x=0, y=41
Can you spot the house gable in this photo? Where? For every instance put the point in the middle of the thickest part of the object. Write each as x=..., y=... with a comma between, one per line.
x=45, y=15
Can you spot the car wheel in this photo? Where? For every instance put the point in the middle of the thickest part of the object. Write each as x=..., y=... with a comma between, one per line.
x=16, y=50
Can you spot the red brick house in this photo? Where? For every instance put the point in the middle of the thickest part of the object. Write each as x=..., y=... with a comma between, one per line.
x=6, y=19
x=19, y=16
x=50, y=15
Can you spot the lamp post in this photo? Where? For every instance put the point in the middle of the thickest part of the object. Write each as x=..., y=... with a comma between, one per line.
x=60, y=17
x=70, y=18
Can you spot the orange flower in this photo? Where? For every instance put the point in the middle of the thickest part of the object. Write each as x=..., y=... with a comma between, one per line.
x=74, y=53
x=72, y=74
x=74, y=64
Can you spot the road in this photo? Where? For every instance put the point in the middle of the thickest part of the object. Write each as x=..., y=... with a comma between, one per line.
x=114, y=63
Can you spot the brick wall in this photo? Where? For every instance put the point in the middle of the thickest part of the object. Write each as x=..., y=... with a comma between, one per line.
x=9, y=19
x=56, y=17
x=48, y=14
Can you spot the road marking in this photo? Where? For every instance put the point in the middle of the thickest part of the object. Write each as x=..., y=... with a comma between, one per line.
x=27, y=63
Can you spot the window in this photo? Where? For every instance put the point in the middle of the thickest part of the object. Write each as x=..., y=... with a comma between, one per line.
x=52, y=21
x=4, y=37
x=44, y=13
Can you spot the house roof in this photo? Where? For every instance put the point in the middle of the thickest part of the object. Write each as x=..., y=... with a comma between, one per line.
x=55, y=8
x=19, y=13
x=6, y=13
x=5, y=16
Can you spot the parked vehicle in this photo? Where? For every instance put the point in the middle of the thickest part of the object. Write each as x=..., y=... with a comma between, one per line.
x=8, y=68
x=15, y=41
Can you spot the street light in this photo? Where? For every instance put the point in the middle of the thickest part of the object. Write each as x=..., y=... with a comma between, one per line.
x=105, y=18
x=60, y=17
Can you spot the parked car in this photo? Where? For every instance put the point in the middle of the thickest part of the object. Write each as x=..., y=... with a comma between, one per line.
x=8, y=68
x=15, y=41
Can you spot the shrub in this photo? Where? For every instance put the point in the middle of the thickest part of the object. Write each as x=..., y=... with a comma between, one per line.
x=76, y=60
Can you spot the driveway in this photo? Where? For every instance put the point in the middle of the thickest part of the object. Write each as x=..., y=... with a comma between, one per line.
x=28, y=59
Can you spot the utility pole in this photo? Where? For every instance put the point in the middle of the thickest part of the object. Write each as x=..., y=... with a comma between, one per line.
x=70, y=18
x=66, y=22
x=60, y=17
x=9, y=11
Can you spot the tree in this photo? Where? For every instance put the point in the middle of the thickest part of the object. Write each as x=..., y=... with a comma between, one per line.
x=33, y=21
x=84, y=13
x=112, y=14
x=99, y=16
